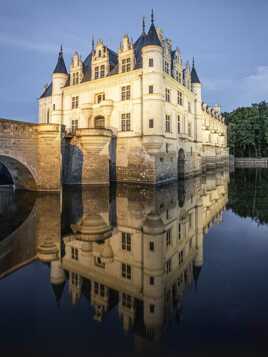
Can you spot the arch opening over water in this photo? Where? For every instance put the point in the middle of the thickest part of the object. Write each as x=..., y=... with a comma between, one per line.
x=21, y=176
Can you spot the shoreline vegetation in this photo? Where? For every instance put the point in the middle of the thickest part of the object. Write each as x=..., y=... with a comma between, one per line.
x=248, y=131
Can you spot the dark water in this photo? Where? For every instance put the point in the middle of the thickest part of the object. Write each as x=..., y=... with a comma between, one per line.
x=177, y=270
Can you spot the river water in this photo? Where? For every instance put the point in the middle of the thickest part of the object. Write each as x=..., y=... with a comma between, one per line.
x=180, y=269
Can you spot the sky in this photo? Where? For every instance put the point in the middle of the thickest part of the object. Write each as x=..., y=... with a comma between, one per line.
x=228, y=39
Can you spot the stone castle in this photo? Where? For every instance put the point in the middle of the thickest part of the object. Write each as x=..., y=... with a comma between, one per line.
x=134, y=116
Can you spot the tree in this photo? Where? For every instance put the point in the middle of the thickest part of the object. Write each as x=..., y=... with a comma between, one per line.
x=248, y=130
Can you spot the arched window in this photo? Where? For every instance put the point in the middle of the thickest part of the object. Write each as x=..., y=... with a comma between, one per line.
x=99, y=122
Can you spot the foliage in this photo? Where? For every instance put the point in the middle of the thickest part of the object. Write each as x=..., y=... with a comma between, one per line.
x=248, y=131
x=248, y=194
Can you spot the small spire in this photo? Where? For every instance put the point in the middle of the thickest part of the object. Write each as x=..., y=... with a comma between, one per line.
x=61, y=51
x=152, y=16
x=143, y=24
x=193, y=63
x=93, y=43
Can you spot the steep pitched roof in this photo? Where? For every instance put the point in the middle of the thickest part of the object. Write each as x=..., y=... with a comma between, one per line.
x=194, y=76
x=60, y=66
x=138, y=45
x=47, y=92
x=152, y=37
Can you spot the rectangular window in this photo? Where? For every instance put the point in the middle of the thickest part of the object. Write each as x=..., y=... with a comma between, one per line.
x=126, y=64
x=126, y=241
x=181, y=257
x=75, y=102
x=126, y=300
x=126, y=271
x=74, y=125
x=179, y=229
x=102, y=71
x=75, y=78
x=189, y=129
x=125, y=93
x=167, y=95
x=168, y=266
x=96, y=72
x=151, y=62
x=125, y=122
x=151, y=123
x=179, y=95
x=74, y=253
x=151, y=89
x=96, y=288
x=168, y=124
x=168, y=238
x=179, y=124
x=151, y=280
x=180, y=77
x=99, y=97
x=152, y=308
x=166, y=67
x=151, y=246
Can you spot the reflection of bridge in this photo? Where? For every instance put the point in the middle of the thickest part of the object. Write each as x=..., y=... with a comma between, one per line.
x=32, y=154
x=139, y=248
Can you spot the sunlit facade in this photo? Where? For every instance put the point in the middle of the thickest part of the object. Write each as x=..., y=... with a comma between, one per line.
x=150, y=102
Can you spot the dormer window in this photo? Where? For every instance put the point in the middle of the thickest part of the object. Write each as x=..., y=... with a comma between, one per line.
x=151, y=62
x=126, y=64
x=75, y=78
x=99, y=53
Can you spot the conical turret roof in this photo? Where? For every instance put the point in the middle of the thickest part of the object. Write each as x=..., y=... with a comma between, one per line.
x=152, y=36
x=194, y=76
x=60, y=66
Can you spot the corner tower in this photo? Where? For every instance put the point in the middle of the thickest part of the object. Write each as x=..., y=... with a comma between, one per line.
x=152, y=63
x=59, y=79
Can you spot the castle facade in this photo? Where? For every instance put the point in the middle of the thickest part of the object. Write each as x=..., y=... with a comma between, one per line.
x=136, y=115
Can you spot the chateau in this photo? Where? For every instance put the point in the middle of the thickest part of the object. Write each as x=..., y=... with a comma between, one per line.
x=135, y=116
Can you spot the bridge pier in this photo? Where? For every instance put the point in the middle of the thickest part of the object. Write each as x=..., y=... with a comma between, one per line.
x=87, y=157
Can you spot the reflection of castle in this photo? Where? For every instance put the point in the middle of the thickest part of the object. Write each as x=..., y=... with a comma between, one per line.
x=145, y=257
x=138, y=248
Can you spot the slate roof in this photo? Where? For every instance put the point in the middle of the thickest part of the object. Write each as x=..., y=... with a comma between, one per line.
x=138, y=45
x=194, y=76
x=60, y=66
x=47, y=92
x=152, y=37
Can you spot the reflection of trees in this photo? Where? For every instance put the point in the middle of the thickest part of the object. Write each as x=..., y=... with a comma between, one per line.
x=247, y=194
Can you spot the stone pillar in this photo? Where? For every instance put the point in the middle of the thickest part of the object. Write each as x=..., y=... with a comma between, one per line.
x=49, y=157
x=89, y=161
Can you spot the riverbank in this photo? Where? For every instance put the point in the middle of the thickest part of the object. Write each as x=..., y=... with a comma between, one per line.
x=251, y=162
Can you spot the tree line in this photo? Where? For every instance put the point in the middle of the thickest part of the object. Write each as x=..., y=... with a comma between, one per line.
x=248, y=131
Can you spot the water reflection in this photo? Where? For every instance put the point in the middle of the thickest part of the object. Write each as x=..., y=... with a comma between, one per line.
x=137, y=248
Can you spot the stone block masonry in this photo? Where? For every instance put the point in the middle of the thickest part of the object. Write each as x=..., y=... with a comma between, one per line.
x=32, y=154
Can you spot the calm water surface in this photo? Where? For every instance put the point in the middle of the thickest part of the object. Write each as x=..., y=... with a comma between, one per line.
x=177, y=270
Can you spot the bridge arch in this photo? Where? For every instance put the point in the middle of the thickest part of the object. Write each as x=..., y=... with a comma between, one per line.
x=23, y=178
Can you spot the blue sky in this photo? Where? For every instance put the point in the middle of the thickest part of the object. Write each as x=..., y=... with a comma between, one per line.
x=228, y=39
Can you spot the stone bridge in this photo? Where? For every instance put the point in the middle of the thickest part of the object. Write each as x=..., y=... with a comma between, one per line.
x=32, y=153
